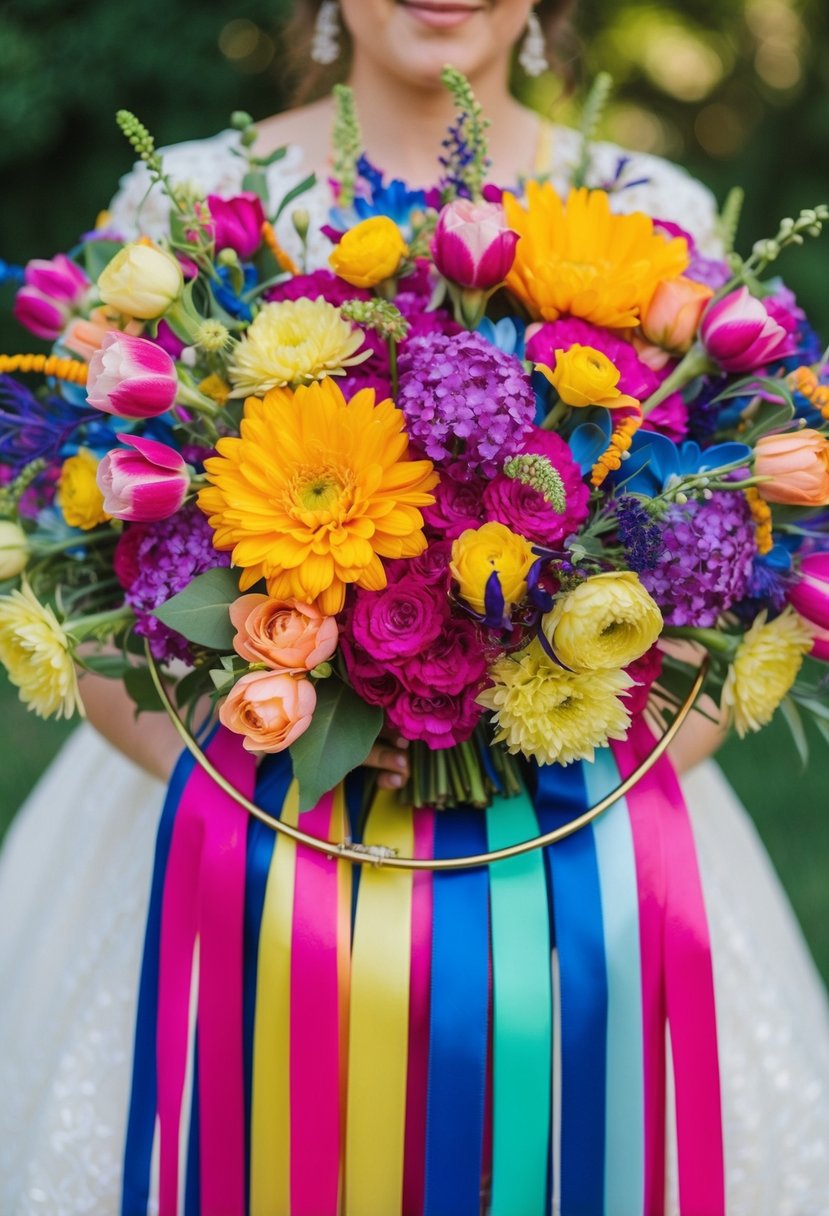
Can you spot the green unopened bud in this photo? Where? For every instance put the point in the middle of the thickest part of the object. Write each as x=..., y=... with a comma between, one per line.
x=240, y=120
x=536, y=471
x=322, y=671
x=301, y=221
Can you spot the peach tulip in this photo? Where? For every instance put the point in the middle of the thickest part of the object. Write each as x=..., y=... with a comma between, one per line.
x=283, y=634
x=674, y=313
x=797, y=466
x=271, y=709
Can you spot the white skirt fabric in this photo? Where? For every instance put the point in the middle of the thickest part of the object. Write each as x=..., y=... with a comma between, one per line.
x=74, y=883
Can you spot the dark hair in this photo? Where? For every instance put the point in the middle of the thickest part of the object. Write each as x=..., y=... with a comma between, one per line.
x=307, y=80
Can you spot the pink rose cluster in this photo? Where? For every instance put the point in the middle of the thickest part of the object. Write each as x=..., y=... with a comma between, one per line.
x=405, y=651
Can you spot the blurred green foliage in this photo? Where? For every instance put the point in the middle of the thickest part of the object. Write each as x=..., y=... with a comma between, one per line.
x=735, y=89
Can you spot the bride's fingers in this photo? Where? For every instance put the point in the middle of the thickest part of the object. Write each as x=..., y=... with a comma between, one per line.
x=393, y=764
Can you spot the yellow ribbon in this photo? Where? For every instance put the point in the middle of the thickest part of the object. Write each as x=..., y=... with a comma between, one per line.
x=379, y=1032
x=270, y=1166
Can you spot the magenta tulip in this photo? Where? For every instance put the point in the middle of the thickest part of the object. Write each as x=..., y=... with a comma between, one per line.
x=237, y=223
x=142, y=485
x=472, y=245
x=131, y=377
x=810, y=597
x=52, y=292
x=740, y=335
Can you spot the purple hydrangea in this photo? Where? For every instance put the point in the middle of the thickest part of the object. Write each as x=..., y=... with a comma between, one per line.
x=461, y=395
x=706, y=562
x=169, y=556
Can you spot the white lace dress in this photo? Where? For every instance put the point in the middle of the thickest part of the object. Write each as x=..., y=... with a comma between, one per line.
x=75, y=871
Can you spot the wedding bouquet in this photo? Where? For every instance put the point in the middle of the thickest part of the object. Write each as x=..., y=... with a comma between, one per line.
x=465, y=480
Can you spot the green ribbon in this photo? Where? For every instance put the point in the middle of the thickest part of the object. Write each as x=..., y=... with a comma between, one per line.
x=522, y=1014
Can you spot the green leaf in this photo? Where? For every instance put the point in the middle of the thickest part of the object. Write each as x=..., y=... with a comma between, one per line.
x=264, y=162
x=769, y=416
x=200, y=611
x=139, y=684
x=341, y=735
x=113, y=666
x=97, y=255
x=294, y=193
x=795, y=725
x=194, y=685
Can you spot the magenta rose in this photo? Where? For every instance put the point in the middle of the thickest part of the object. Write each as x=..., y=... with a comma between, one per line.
x=376, y=684
x=644, y=672
x=398, y=622
x=439, y=720
x=458, y=505
x=454, y=663
x=500, y=499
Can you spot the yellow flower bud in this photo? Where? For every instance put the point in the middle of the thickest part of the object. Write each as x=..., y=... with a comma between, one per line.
x=141, y=281
x=14, y=549
x=480, y=552
x=585, y=376
x=369, y=253
x=608, y=621
x=79, y=498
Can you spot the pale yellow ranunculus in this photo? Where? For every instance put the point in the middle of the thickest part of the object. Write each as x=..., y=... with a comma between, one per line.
x=479, y=553
x=141, y=281
x=14, y=549
x=35, y=652
x=765, y=666
x=584, y=376
x=369, y=253
x=608, y=621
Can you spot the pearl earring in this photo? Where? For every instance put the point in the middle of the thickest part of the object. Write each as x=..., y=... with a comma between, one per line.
x=533, y=53
x=325, y=41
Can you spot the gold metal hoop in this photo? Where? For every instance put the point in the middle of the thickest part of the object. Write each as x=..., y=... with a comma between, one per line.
x=350, y=852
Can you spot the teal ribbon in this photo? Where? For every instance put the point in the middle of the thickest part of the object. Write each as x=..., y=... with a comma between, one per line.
x=522, y=1015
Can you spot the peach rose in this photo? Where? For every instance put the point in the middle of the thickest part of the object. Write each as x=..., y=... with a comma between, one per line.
x=674, y=313
x=797, y=464
x=271, y=709
x=283, y=634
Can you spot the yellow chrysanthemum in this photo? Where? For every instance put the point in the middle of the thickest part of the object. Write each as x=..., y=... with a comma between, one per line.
x=608, y=621
x=34, y=649
x=78, y=496
x=764, y=668
x=315, y=491
x=553, y=715
x=577, y=258
x=293, y=342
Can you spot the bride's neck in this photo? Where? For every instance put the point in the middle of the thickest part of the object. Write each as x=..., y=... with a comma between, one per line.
x=403, y=124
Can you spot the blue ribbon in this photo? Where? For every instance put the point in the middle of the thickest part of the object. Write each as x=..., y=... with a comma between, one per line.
x=459, y=1022
x=138, y=1148
x=579, y=934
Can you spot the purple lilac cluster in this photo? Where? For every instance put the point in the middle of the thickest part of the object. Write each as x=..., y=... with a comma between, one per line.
x=461, y=395
x=405, y=651
x=639, y=533
x=167, y=557
x=706, y=562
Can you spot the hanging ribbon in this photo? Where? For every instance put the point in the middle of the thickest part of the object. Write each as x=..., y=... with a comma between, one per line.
x=379, y=1029
x=579, y=935
x=419, y=993
x=459, y=1014
x=522, y=1015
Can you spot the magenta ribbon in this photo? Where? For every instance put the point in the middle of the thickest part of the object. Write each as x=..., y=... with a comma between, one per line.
x=204, y=898
x=316, y=1132
x=677, y=985
x=414, y=1162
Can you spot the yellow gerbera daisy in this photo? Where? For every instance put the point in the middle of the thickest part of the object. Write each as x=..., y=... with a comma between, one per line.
x=315, y=491
x=553, y=715
x=294, y=342
x=765, y=666
x=36, y=653
x=577, y=258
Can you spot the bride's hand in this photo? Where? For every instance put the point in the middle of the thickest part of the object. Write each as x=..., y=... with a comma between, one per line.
x=389, y=755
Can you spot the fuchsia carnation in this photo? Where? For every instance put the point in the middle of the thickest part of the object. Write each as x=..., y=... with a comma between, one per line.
x=458, y=504
x=526, y=511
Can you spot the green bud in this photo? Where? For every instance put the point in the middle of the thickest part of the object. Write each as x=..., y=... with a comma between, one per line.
x=240, y=120
x=536, y=471
x=301, y=221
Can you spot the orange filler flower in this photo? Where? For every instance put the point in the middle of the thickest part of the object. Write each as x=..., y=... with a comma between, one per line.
x=315, y=491
x=577, y=258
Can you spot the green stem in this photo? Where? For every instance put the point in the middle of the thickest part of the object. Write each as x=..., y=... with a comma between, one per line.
x=74, y=542
x=694, y=364
x=711, y=639
x=84, y=626
x=555, y=416
x=393, y=367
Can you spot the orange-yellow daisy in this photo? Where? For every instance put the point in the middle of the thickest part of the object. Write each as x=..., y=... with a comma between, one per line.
x=315, y=491
x=577, y=258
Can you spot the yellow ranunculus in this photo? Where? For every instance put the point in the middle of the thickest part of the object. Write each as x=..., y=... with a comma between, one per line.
x=79, y=497
x=369, y=253
x=35, y=652
x=585, y=376
x=479, y=553
x=14, y=549
x=764, y=668
x=141, y=281
x=608, y=621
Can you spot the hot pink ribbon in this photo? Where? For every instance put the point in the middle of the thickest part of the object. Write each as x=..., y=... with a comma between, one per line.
x=414, y=1163
x=316, y=1130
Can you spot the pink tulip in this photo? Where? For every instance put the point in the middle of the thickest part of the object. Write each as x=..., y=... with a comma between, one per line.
x=145, y=484
x=52, y=291
x=810, y=594
x=131, y=377
x=472, y=245
x=739, y=333
x=820, y=645
x=237, y=222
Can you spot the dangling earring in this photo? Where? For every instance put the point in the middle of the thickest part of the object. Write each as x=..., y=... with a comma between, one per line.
x=325, y=41
x=533, y=53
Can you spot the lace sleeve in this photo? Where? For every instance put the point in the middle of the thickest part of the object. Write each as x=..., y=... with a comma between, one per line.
x=637, y=181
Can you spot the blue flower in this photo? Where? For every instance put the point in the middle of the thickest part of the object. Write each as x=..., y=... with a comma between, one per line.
x=231, y=300
x=655, y=461
x=376, y=197
x=35, y=428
